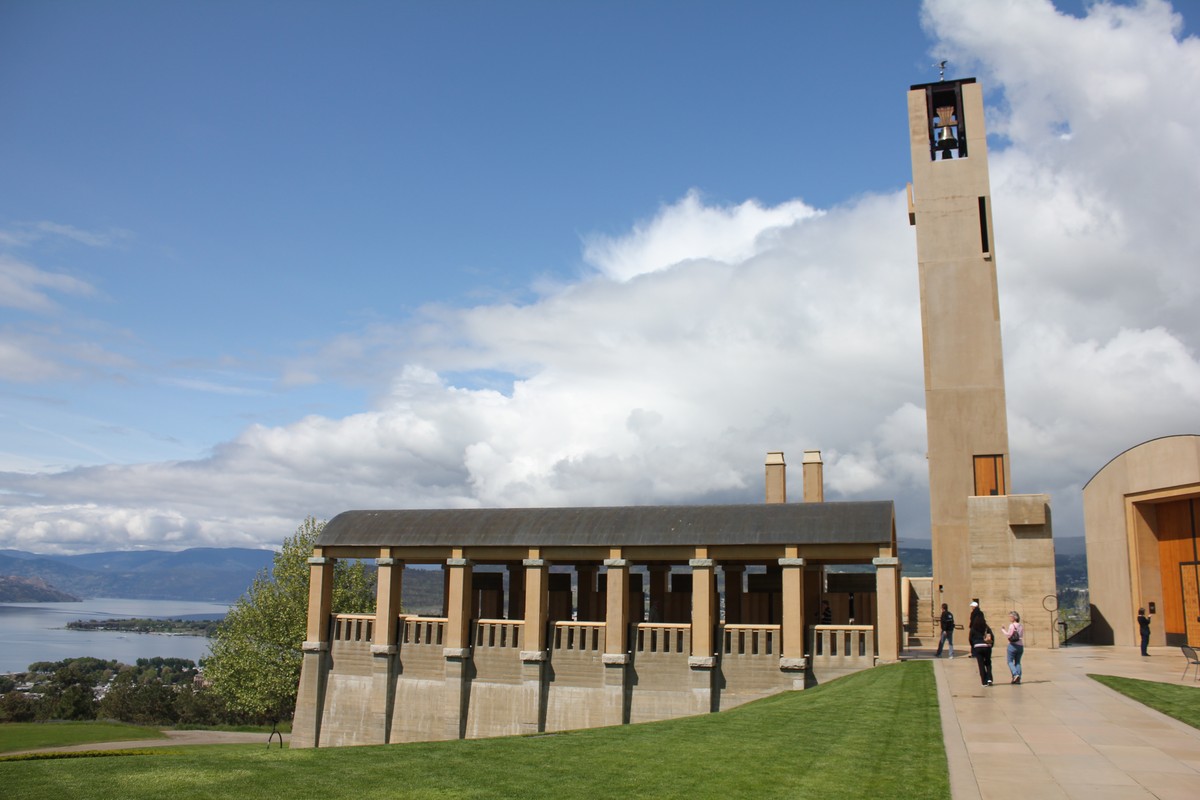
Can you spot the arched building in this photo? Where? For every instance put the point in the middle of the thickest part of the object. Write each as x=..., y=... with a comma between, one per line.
x=1141, y=513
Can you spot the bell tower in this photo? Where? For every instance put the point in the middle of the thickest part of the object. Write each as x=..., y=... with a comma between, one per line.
x=949, y=202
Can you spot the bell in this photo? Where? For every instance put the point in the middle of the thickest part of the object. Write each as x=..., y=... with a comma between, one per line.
x=945, y=136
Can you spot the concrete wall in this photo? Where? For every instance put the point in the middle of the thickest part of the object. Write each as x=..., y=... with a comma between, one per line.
x=1012, y=563
x=420, y=691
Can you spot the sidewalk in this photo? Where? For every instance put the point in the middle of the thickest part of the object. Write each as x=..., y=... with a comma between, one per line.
x=1060, y=734
x=173, y=738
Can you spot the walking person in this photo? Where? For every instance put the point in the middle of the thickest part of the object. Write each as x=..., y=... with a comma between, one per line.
x=981, y=648
x=1014, y=631
x=976, y=613
x=947, y=638
x=1144, y=628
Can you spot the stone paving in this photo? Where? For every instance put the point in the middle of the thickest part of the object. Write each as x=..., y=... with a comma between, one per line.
x=1060, y=734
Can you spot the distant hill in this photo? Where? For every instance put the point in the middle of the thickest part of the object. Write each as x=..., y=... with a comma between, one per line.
x=210, y=574
x=31, y=590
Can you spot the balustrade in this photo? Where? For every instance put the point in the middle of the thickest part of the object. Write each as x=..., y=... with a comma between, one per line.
x=750, y=640
x=578, y=636
x=843, y=641
x=498, y=633
x=663, y=637
x=353, y=628
x=419, y=631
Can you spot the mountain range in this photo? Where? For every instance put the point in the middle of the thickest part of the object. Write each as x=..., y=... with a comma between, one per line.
x=206, y=574
x=222, y=574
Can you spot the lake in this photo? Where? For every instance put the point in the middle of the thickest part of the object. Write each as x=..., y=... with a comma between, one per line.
x=32, y=632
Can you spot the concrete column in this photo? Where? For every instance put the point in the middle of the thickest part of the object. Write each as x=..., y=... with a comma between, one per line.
x=704, y=605
x=314, y=668
x=734, y=591
x=537, y=606
x=384, y=648
x=658, y=591
x=516, y=591
x=793, y=611
x=457, y=644
x=776, y=478
x=887, y=602
x=814, y=478
x=535, y=645
x=616, y=640
x=387, y=601
x=585, y=604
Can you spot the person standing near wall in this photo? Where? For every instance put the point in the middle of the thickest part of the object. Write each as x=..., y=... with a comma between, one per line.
x=1014, y=631
x=1144, y=629
x=947, y=637
x=981, y=647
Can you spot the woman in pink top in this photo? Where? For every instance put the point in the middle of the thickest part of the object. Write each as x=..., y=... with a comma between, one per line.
x=1014, y=631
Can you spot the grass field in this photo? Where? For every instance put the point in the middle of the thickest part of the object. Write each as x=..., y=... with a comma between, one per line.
x=1180, y=702
x=31, y=735
x=873, y=734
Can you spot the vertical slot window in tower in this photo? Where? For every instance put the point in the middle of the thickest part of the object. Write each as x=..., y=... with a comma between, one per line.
x=989, y=476
x=984, y=243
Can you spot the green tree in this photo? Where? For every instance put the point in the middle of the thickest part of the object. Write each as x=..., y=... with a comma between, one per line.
x=255, y=661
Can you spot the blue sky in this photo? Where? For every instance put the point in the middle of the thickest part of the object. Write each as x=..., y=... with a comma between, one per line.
x=269, y=259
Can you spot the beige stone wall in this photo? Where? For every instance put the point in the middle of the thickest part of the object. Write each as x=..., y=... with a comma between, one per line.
x=1122, y=555
x=1012, y=563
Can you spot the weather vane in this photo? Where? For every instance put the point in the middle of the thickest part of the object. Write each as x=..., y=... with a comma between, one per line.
x=941, y=65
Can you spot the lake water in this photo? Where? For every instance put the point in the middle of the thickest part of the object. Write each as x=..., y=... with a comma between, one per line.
x=32, y=632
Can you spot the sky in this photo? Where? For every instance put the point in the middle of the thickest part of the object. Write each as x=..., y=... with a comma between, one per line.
x=266, y=260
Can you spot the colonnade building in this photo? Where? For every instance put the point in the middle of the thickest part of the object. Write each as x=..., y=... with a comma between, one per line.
x=564, y=618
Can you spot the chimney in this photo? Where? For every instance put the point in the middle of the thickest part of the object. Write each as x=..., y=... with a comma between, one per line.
x=814, y=477
x=776, y=478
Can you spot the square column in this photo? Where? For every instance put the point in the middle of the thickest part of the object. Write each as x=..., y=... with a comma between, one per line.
x=585, y=603
x=704, y=606
x=384, y=649
x=658, y=591
x=616, y=640
x=793, y=612
x=535, y=646
x=887, y=600
x=516, y=591
x=734, y=579
x=457, y=644
x=310, y=696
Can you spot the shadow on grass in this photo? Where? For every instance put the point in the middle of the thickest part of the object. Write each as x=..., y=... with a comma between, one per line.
x=873, y=734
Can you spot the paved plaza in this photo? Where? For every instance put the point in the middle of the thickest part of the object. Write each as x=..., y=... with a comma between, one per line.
x=1060, y=734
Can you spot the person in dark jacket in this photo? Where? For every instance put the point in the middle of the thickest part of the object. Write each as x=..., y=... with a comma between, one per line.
x=1144, y=629
x=981, y=647
x=947, y=638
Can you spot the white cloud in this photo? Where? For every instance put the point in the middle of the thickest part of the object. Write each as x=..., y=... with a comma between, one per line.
x=710, y=334
x=28, y=288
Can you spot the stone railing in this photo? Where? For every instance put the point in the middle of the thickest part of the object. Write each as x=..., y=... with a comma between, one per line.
x=353, y=628
x=847, y=646
x=662, y=637
x=750, y=640
x=578, y=636
x=498, y=633
x=423, y=631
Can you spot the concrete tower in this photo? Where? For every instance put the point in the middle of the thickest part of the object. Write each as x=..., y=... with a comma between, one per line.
x=969, y=481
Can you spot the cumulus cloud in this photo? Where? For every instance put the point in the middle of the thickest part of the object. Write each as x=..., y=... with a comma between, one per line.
x=709, y=334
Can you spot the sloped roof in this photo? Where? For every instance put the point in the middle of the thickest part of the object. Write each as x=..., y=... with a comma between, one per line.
x=778, y=523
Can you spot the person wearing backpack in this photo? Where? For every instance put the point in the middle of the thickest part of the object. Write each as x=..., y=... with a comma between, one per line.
x=1015, y=632
x=947, y=622
x=981, y=647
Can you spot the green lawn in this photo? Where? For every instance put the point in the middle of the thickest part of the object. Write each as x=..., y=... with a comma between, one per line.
x=30, y=735
x=873, y=734
x=1180, y=702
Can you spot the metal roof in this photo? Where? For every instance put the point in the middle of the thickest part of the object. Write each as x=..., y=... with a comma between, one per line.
x=775, y=523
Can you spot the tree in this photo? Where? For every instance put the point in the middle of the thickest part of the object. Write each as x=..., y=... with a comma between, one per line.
x=255, y=661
